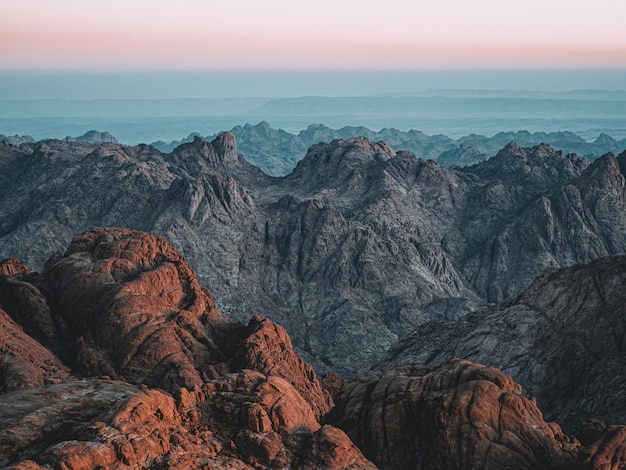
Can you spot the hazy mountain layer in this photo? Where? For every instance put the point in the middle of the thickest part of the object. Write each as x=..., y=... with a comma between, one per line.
x=276, y=152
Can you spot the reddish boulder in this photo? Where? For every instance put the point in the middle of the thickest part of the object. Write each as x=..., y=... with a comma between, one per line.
x=460, y=415
x=137, y=307
x=604, y=445
x=240, y=421
x=268, y=349
x=101, y=424
x=13, y=266
x=269, y=424
x=26, y=304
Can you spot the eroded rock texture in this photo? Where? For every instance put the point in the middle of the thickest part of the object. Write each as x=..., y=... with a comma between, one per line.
x=128, y=307
x=24, y=362
x=460, y=415
x=562, y=339
x=357, y=246
x=136, y=368
x=241, y=421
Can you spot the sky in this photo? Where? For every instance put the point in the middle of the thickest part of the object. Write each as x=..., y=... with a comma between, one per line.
x=138, y=35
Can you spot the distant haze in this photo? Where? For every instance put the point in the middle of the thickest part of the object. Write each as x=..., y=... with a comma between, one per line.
x=269, y=84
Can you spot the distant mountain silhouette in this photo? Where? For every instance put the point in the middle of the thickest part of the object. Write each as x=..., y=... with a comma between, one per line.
x=276, y=152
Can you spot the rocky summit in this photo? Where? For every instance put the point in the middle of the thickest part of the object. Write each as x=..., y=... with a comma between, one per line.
x=138, y=368
x=113, y=356
x=354, y=249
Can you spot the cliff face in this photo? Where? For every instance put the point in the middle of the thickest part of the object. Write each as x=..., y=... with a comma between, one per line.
x=356, y=247
x=114, y=356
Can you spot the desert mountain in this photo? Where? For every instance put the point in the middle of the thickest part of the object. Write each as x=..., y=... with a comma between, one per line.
x=277, y=151
x=356, y=247
x=124, y=306
x=114, y=356
x=562, y=339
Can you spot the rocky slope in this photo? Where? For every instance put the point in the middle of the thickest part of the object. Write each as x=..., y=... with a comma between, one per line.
x=127, y=307
x=139, y=370
x=562, y=339
x=357, y=246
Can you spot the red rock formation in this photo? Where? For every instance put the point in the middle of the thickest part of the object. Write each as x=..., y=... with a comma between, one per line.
x=26, y=304
x=267, y=348
x=239, y=397
x=605, y=446
x=137, y=308
x=25, y=363
x=460, y=415
x=135, y=312
x=13, y=266
x=244, y=420
x=101, y=424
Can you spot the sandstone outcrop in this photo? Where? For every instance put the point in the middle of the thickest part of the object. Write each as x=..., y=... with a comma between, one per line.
x=240, y=421
x=24, y=362
x=459, y=415
x=230, y=395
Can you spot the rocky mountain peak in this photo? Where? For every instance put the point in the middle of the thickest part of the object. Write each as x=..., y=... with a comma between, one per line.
x=604, y=173
x=220, y=156
x=541, y=164
x=605, y=139
x=340, y=162
x=221, y=151
x=225, y=145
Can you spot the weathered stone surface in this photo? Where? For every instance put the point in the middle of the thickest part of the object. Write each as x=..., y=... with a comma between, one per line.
x=13, y=266
x=118, y=290
x=244, y=420
x=459, y=415
x=357, y=246
x=562, y=339
x=134, y=311
x=267, y=348
x=24, y=362
x=137, y=308
x=27, y=305
x=604, y=446
x=101, y=423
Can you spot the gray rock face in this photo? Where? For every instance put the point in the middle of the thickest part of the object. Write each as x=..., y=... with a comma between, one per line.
x=17, y=140
x=356, y=247
x=562, y=339
x=466, y=154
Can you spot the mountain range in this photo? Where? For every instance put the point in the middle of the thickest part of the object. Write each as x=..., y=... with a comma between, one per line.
x=277, y=151
x=355, y=248
x=396, y=273
x=114, y=356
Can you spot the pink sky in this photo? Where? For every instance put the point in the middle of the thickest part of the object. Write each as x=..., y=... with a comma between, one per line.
x=238, y=34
